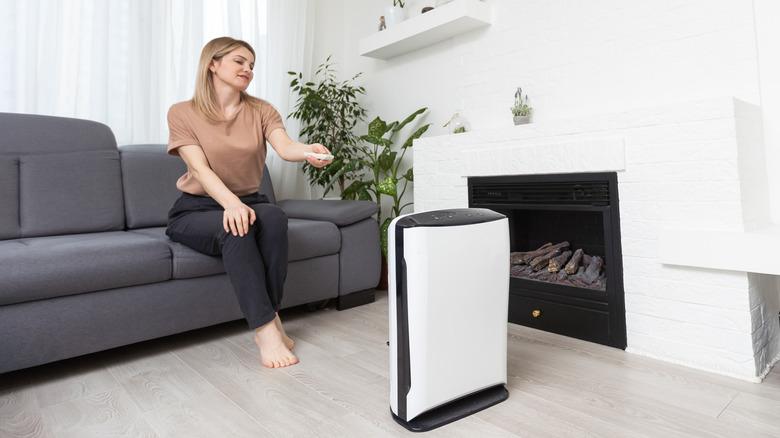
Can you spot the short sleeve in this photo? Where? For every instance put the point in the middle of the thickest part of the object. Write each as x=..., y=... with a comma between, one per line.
x=270, y=119
x=179, y=131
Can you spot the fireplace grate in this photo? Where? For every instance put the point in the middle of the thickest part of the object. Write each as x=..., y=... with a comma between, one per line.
x=571, y=192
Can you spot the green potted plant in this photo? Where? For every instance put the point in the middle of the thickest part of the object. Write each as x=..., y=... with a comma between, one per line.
x=383, y=175
x=521, y=110
x=328, y=110
x=380, y=155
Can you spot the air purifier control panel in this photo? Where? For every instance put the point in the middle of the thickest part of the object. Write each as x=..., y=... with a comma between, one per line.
x=449, y=218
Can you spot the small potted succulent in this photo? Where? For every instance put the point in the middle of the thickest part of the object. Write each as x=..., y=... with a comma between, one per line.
x=521, y=110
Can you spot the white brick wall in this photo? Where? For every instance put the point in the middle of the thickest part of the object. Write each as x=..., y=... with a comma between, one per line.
x=672, y=171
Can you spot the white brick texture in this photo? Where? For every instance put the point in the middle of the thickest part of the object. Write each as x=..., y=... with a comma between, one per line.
x=672, y=171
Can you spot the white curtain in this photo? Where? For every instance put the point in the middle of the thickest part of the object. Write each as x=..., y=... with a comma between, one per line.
x=290, y=48
x=124, y=62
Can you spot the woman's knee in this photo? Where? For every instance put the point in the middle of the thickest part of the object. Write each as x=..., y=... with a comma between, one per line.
x=252, y=230
x=271, y=217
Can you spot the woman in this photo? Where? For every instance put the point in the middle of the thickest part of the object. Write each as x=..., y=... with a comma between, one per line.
x=221, y=135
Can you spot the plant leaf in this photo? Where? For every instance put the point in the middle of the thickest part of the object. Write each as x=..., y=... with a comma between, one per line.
x=387, y=186
x=383, y=234
x=386, y=159
x=377, y=128
x=409, y=119
x=409, y=175
x=333, y=180
x=415, y=135
x=364, y=194
x=379, y=141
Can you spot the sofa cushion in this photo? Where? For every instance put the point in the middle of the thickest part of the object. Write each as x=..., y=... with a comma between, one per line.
x=9, y=197
x=338, y=212
x=67, y=193
x=187, y=263
x=53, y=266
x=149, y=182
x=306, y=239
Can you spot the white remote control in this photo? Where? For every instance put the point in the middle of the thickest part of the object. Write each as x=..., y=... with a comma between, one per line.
x=325, y=157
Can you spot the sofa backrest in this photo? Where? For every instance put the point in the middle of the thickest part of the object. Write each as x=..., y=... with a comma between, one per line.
x=149, y=177
x=57, y=176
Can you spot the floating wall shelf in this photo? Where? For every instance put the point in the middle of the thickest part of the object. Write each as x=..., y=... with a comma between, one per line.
x=446, y=21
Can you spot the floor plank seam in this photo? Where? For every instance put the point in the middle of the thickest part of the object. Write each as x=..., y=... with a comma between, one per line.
x=727, y=405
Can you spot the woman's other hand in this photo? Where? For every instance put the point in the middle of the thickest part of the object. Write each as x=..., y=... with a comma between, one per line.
x=320, y=149
x=237, y=218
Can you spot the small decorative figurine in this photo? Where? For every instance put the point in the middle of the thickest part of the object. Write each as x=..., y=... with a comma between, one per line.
x=382, y=25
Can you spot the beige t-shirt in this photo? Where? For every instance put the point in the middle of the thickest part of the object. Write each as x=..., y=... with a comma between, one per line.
x=235, y=149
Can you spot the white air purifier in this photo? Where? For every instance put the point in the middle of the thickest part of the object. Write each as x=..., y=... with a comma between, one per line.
x=448, y=293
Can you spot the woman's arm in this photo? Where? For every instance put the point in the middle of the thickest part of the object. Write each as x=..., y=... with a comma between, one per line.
x=291, y=150
x=237, y=216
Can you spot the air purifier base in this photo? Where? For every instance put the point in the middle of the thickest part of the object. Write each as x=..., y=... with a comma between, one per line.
x=455, y=410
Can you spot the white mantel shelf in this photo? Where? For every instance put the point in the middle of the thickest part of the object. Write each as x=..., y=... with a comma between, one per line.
x=744, y=251
x=446, y=21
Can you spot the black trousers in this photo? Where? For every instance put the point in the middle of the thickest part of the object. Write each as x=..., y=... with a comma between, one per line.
x=255, y=263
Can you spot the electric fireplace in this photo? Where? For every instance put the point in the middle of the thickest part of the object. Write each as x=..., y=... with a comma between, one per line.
x=566, y=271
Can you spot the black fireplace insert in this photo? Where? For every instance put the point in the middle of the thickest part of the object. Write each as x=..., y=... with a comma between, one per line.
x=566, y=275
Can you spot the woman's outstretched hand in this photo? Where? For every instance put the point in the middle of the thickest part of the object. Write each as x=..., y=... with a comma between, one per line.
x=320, y=149
x=237, y=218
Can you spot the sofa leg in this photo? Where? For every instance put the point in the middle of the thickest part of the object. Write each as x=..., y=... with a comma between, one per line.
x=355, y=299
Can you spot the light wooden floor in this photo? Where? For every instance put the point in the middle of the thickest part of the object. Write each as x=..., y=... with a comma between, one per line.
x=209, y=383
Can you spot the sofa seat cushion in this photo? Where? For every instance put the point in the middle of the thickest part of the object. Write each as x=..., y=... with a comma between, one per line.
x=306, y=239
x=45, y=267
x=187, y=263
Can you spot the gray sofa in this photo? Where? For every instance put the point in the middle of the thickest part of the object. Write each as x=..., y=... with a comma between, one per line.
x=85, y=264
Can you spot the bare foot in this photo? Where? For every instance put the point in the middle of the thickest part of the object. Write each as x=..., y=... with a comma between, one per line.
x=273, y=351
x=286, y=339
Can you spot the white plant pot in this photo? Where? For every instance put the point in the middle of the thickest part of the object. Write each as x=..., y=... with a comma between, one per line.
x=394, y=15
x=522, y=120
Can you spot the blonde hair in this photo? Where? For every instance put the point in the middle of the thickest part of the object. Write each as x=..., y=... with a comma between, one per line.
x=205, y=98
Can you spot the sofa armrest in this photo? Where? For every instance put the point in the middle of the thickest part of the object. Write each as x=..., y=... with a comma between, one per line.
x=340, y=213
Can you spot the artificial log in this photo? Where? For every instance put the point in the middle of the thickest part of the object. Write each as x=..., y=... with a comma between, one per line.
x=586, y=259
x=529, y=258
x=543, y=260
x=593, y=270
x=541, y=275
x=519, y=258
x=574, y=263
x=558, y=247
x=558, y=261
x=576, y=279
x=521, y=270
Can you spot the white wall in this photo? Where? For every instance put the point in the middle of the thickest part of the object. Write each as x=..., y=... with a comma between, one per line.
x=573, y=58
x=767, y=13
